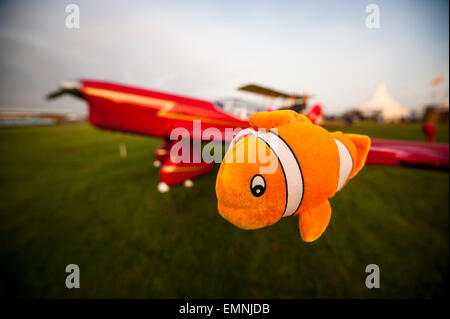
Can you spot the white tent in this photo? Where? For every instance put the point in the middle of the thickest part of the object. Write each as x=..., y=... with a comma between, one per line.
x=381, y=104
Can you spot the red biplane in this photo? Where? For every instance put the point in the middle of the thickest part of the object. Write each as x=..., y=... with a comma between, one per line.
x=153, y=113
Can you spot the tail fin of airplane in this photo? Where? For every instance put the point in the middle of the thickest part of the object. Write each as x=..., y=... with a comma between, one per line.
x=315, y=114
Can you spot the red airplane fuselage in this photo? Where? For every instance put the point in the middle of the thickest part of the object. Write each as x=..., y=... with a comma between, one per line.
x=141, y=111
x=147, y=112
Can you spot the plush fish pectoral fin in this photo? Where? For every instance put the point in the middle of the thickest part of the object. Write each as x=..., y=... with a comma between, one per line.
x=362, y=144
x=314, y=221
x=273, y=119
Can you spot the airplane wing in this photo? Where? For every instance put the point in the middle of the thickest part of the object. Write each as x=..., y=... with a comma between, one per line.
x=254, y=88
x=408, y=153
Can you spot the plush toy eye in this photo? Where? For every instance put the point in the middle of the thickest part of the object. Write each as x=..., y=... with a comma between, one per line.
x=258, y=185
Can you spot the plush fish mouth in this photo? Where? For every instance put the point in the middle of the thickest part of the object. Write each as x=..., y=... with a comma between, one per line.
x=246, y=218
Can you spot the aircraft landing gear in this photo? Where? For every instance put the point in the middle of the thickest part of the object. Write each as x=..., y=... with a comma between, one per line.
x=188, y=183
x=163, y=187
x=156, y=163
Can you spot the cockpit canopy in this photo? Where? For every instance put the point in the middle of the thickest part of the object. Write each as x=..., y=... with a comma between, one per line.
x=238, y=107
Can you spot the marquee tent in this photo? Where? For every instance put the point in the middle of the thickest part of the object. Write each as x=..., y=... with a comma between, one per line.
x=383, y=106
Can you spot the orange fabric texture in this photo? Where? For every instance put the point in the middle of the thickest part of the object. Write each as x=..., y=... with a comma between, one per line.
x=314, y=221
x=250, y=200
x=237, y=204
x=362, y=144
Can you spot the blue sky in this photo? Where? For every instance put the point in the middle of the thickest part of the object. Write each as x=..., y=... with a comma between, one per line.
x=207, y=49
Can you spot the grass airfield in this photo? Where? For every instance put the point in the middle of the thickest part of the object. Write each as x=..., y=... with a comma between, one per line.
x=66, y=196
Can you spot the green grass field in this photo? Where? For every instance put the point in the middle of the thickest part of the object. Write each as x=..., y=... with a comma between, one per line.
x=67, y=197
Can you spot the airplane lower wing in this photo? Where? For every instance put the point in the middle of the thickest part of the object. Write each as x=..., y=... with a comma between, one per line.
x=382, y=152
x=408, y=153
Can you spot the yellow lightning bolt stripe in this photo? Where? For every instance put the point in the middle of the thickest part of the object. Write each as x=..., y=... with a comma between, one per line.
x=164, y=106
x=128, y=97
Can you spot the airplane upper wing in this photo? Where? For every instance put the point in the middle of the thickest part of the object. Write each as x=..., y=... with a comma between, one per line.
x=254, y=88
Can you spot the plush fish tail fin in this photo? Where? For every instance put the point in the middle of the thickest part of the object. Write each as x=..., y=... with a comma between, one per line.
x=268, y=120
x=362, y=145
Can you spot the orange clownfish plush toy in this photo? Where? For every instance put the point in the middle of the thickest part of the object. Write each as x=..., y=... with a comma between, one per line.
x=311, y=165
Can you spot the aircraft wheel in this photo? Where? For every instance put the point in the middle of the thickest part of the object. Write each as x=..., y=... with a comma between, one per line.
x=156, y=163
x=188, y=183
x=163, y=187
